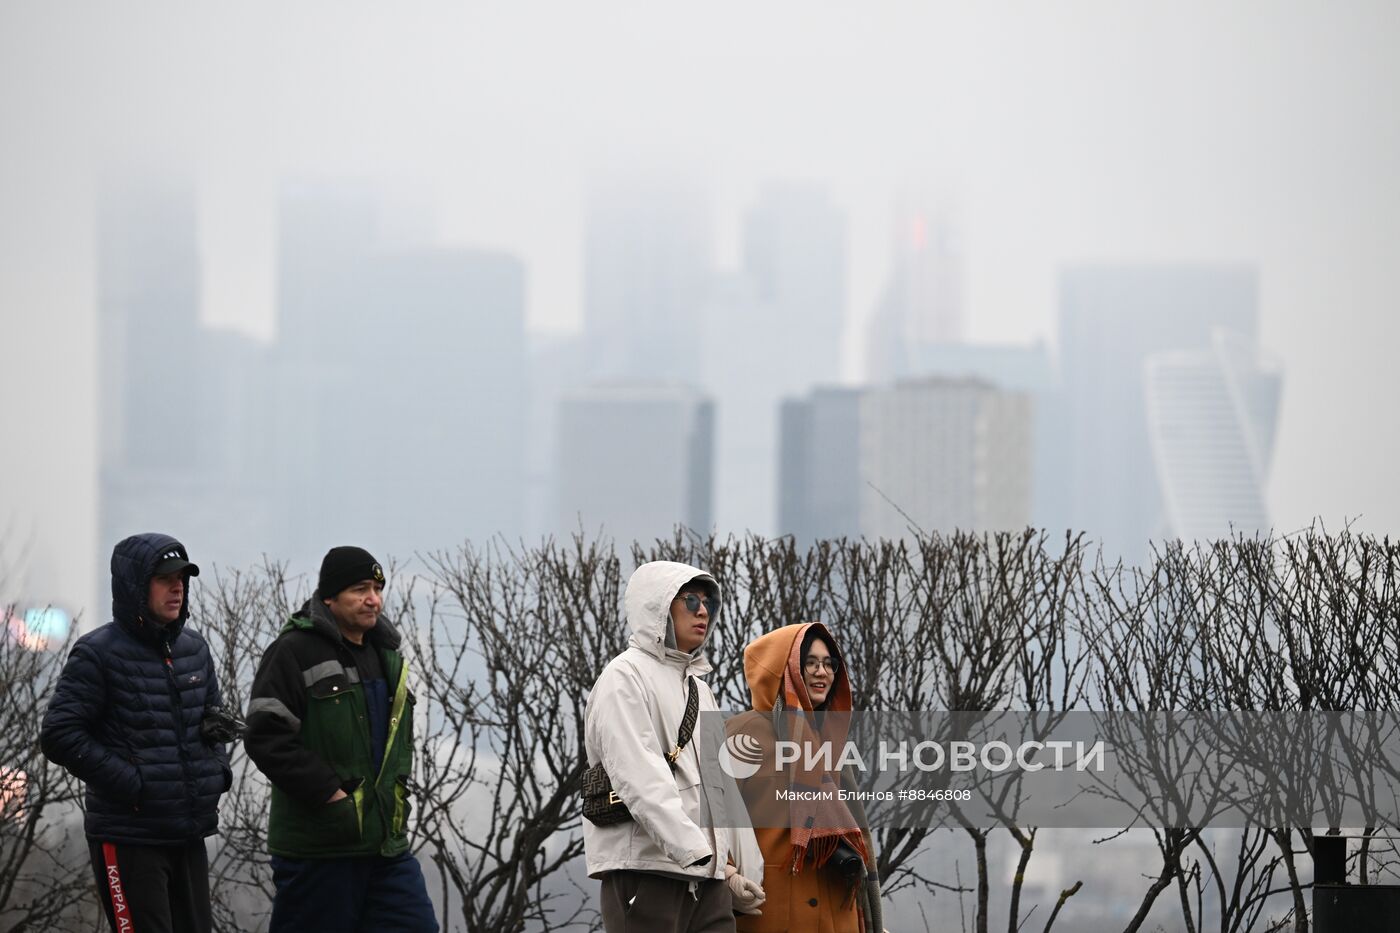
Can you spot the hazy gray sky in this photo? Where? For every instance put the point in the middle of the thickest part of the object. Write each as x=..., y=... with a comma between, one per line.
x=1065, y=132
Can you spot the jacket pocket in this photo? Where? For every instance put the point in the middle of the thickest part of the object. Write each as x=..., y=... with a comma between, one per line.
x=138, y=796
x=342, y=821
x=644, y=848
x=331, y=725
x=402, y=806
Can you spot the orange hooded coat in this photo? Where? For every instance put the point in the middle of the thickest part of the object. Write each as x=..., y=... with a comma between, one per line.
x=801, y=897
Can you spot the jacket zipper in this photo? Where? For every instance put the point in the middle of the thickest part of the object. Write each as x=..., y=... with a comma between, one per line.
x=369, y=784
x=700, y=773
x=385, y=818
x=177, y=712
x=174, y=693
x=396, y=707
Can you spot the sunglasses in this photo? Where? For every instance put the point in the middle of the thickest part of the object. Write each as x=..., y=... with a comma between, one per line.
x=693, y=603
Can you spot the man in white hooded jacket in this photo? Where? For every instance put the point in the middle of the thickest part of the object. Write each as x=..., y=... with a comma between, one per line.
x=683, y=863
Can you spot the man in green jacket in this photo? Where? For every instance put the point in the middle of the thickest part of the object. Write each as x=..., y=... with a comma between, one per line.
x=331, y=725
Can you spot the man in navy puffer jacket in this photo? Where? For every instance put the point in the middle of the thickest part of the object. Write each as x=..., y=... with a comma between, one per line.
x=125, y=718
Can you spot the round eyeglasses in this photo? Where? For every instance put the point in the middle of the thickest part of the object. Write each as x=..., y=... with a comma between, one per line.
x=813, y=665
x=694, y=602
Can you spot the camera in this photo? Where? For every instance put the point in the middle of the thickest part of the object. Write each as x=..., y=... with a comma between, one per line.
x=846, y=862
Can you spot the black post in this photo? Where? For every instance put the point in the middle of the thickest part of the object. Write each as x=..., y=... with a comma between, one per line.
x=1329, y=859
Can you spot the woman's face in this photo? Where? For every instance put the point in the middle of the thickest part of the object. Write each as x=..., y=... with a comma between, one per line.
x=818, y=672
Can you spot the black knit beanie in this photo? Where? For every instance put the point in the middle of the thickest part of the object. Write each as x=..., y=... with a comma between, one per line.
x=345, y=566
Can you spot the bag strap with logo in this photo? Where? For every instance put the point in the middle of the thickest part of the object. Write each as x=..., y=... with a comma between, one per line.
x=601, y=804
x=692, y=712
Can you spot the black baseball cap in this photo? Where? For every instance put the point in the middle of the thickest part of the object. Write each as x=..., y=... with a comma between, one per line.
x=174, y=561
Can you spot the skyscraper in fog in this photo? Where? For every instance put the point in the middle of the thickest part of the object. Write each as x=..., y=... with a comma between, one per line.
x=923, y=300
x=401, y=385
x=181, y=444
x=1210, y=420
x=634, y=461
x=389, y=410
x=795, y=259
x=148, y=282
x=648, y=263
x=326, y=373
x=148, y=339
x=1026, y=368
x=943, y=455
x=773, y=330
x=1113, y=319
x=453, y=395
x=819, y=483
x=930, y=454
x=557, y=367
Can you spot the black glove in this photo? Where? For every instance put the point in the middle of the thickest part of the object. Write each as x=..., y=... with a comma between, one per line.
x=221, y=724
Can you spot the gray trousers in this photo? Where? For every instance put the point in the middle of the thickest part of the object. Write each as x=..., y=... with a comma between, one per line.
x=640, y=902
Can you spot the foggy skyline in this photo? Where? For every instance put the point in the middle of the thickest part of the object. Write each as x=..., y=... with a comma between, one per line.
x=1259, y=133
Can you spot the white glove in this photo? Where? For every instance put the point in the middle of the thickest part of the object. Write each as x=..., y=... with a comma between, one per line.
x=748, y=895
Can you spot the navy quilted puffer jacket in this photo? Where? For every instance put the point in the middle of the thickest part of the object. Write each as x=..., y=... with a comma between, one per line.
x=125, y=715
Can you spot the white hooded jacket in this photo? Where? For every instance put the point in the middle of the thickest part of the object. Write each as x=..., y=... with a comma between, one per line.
x=634, y=713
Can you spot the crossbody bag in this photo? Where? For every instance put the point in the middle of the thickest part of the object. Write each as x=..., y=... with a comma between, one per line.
x=601, y=804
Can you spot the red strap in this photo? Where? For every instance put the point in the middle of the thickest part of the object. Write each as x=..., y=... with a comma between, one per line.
x=121, y=911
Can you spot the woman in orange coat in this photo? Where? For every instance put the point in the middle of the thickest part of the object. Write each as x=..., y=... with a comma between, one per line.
x=819, y=858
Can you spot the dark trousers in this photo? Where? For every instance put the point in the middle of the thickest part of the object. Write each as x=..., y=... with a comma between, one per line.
x=348, y=895
x=640, y=902
x=152, y=889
